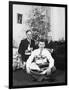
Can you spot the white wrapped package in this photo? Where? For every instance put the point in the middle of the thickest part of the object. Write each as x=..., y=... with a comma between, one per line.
x=34, y=66
x=41, y=61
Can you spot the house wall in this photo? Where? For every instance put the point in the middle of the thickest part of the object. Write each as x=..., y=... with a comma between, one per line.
x=57, y=23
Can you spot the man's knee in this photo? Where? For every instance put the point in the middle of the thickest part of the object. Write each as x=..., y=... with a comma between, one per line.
x=53, y=69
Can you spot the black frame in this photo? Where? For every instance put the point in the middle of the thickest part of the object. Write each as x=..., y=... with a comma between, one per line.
x=11, y=40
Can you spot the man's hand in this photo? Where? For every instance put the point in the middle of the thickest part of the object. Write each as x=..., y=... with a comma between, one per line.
x=48, y=71
x=28, y=70
x=43, y=72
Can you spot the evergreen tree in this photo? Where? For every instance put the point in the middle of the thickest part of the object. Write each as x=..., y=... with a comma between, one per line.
x=39, y=22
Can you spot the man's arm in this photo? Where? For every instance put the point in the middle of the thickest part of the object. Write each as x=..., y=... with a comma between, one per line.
x=21, y=49
x=29, y=61
x=51, y=60
x=51, y=63
x=21, y=46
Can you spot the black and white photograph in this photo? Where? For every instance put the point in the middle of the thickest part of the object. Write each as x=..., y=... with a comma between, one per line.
x=37, y=44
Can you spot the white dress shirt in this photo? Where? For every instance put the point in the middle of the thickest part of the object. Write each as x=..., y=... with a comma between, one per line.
x=45, y=53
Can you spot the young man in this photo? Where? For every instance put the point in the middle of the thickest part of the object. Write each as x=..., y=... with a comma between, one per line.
x=26, y=46
x=40, y=62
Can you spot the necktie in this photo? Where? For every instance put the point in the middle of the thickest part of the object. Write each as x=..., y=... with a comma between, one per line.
x=40, y=52
x=29, y=47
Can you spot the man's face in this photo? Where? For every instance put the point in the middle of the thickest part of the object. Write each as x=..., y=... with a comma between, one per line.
x=29, y=35
x=41, y=44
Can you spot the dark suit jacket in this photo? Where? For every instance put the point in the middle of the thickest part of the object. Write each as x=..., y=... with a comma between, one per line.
x=23, y=46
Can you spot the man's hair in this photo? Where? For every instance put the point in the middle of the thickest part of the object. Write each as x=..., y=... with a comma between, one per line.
x=41, y=40
x=28, y=31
